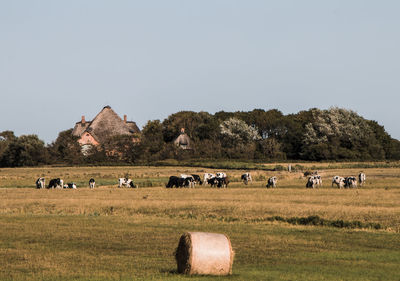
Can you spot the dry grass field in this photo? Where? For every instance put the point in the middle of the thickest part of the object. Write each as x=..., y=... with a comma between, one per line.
x=130, y=234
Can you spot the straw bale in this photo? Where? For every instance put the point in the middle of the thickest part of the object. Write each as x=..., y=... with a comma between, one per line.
x=204, y=253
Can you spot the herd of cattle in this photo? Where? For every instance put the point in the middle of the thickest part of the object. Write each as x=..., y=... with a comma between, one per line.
x=59, y=183
x=315, y=180
x=219, y=180
x=215, y=180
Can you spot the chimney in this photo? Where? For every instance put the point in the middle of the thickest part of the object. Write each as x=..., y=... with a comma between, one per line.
x=125, y=118
x=83, y=120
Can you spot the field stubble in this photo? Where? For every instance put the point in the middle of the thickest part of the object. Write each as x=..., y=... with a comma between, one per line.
x=130, y=234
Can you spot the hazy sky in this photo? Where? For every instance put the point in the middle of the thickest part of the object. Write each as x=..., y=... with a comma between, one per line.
x=148, y=59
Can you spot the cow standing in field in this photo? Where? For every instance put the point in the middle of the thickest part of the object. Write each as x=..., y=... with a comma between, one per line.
x=220, y=175
x=319, y=180
x=126, y=182
x=222, y=182
x=350, y=182
x=312, y=182
x=189, y=179
x=212, y=181
x=361, y=178
x=179, y=182
x=197, y=179
x=56, y=183
x=207, y=176
x=40, y=183
x=92, y=183
x=189, y=182
x=272, y=181
x=339, y=181
x=173, y=181
x=246, y=177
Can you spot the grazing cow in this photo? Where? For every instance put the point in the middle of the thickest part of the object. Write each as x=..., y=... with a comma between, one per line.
x=56, y=183
x=339, y=181
x=246, y=178
x=361, y=178
x=272, y=181
x=40, y=183
x=222, y=182
x=173, y=181
x=197, y=179
x=312, y=182
x=220, y=175
x=207, y=176
x=92, y=183
x=350, y=182
x=179, y=182
x=70, y=185
x=190, y=180
x=126, y=182
x=212, y=181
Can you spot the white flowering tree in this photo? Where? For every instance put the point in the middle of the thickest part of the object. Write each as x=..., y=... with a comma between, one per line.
x=335, y=122
x=238, y=131
x=339, y=133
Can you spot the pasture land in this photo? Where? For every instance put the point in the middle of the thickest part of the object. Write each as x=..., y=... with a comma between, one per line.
x=131, y=234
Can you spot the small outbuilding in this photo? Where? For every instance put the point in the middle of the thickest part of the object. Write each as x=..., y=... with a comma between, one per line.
x=183, y=140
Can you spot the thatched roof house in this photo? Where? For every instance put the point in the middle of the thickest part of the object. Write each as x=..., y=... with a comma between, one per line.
x=106, y=124
x=183, y=141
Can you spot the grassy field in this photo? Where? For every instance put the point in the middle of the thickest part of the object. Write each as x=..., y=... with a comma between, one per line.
x=131, y=234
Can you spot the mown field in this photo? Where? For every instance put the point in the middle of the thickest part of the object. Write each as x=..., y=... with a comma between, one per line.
x=131, y=234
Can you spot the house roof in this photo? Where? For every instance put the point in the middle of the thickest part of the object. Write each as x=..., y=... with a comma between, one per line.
x=106, y=124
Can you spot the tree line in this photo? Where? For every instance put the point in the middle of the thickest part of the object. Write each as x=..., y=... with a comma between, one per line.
x=334, y=134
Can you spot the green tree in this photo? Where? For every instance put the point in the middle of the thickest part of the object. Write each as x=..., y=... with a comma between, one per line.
x=26, y=150
x=269, y=149
x=6, y=137
x=152, y=140
x=66, y=148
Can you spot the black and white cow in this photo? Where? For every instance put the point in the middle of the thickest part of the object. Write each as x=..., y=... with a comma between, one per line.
x=222, y=182
x=190, y=180
x=207, y=176
x=361, y=178
x=56, y=183
x=272, y=181
x=70, y=185
x=40, y=183
x=92, y=183
x=339, y=181
x=312, y=182
x=126, y=182
x=350, y=182
x=319, y=179
x=212, y=181
x=179, y=182
x=197, y=179
x=220, y=175
x=246, y=177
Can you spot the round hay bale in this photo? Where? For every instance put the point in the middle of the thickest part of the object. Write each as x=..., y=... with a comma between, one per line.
x=204, y=253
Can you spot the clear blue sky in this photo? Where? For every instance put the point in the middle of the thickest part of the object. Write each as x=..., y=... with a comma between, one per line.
x=148, y=59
